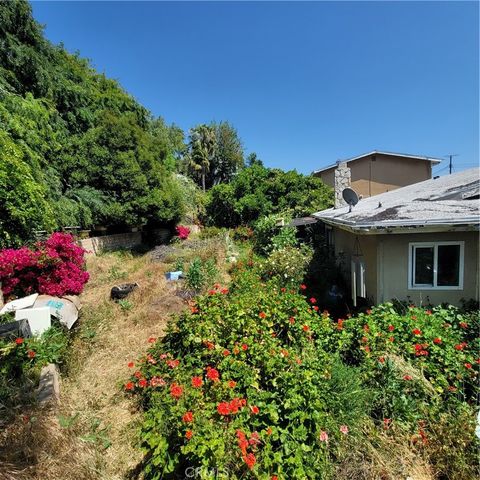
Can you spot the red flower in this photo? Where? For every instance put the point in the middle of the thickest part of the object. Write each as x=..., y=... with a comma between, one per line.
x=269, y=431
x=226, y=353
x=209, y=345
x=157, y=382
x=460, y=346
x=305, y=328
x=31, y=354
x=173, y=363
x=283, y=289
x=451, y=388
x=369, y=312
x=19, y=341
x=232, y=384
x=303, y=287
x=437, y=340
x=364, y=339
x=223, y=408
x=255, y=410
x=274, y=477
x=138, y=374
x=391, y=339
x=250, y=460
x=414, y=317
x=152, y=340
x=244, y=347
x=212, y=374
x=197, y=382
x=381, y=359
x=463, y=325
x=235, y=405
x=188, y=434
x=187, y=417
x=468, y=365
x=291, y=320
x=428, y=312
x=129, y=386
x=367, y=349
x=407, y=377
x=391, y=328
x=262, y=314
x=313, y=300
x=340, y=324
x=386, y=423
x=224, y=291
x=315, y=307
x=416, y=331
x=142, y=383
x=130, y=364
x=236, y=350
x=366, y=328
x=176, y=391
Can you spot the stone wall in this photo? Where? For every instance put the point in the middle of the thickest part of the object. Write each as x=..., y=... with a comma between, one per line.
x=95, y=245
x=343, y=180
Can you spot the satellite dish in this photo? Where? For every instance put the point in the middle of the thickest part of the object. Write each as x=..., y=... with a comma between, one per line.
x=350, y=196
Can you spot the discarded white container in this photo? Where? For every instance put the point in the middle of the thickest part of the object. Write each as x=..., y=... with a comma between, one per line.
x=18, y=304
x=37, y=318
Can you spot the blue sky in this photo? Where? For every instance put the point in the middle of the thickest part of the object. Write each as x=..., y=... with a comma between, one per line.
x=304, y=83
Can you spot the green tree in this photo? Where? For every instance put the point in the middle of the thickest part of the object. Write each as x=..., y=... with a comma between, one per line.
x=201, y=151
x=23, y=208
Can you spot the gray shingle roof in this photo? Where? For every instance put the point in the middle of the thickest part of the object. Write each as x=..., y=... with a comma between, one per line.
x=445, y=201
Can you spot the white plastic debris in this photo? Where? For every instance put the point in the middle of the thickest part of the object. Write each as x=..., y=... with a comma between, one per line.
x=19, y=304
x=65, y=309
x=38, y=319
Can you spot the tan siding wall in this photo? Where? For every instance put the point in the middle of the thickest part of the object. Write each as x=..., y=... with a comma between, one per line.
x=395, y=268
x=386, y=173
x=386, y=259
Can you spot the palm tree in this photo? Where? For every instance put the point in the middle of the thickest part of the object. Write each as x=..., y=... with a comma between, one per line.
x=202, y=147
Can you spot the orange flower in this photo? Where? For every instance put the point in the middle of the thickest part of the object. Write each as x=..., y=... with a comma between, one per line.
x=197, y=382
x=130, y=364
x=232, y=384
x=255, y=410
x=188, y=434
x=187, y=417
x=31, y=354
x=262, y=314
x=129, y=386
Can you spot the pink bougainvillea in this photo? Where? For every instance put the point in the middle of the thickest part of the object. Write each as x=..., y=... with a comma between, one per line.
x=182, y=232
x=54, y=267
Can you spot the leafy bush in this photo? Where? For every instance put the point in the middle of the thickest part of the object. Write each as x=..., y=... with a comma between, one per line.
x=200, y=274
x=269, y=235
x=287, y=265
x=21, y=358
x=255, y=382
x=210, y=232
x=55, y=267
x=242, y=234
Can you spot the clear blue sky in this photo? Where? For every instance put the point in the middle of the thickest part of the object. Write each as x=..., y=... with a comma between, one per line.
x=305, y=84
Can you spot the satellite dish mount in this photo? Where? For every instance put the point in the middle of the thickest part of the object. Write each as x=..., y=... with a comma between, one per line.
x=350, y=196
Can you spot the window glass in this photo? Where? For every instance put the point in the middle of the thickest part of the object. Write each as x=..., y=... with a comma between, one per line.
x=448, y=265
x=423, y=274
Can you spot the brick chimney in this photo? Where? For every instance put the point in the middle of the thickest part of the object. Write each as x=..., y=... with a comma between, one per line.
x=342, y=180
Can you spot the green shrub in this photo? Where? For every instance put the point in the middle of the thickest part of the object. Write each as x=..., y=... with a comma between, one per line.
x=210, y=232
x=242, y=234
x=269, y=235
x=255, y=382
x=200, y=274
x=287, y=265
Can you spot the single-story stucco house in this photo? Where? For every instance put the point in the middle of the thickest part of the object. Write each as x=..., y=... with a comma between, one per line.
x=417, y=243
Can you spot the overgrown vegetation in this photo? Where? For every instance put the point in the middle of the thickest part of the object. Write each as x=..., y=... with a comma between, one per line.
x=255, y=382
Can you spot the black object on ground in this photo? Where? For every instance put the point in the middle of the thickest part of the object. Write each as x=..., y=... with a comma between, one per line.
x=119, y=292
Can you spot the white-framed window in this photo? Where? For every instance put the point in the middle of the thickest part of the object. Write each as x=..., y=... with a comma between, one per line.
x=435, y=265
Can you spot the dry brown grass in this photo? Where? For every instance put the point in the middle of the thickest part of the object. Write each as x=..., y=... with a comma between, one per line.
x=91, y=392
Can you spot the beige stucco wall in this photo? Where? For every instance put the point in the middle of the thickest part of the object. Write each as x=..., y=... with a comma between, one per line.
x=393, y=267
x=346, y=248
x=385, y=173
x=386, y=259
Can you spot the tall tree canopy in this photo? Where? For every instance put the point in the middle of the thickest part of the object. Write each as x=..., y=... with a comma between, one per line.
x=214, y=155
x=94, y=152
x=257, y=191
